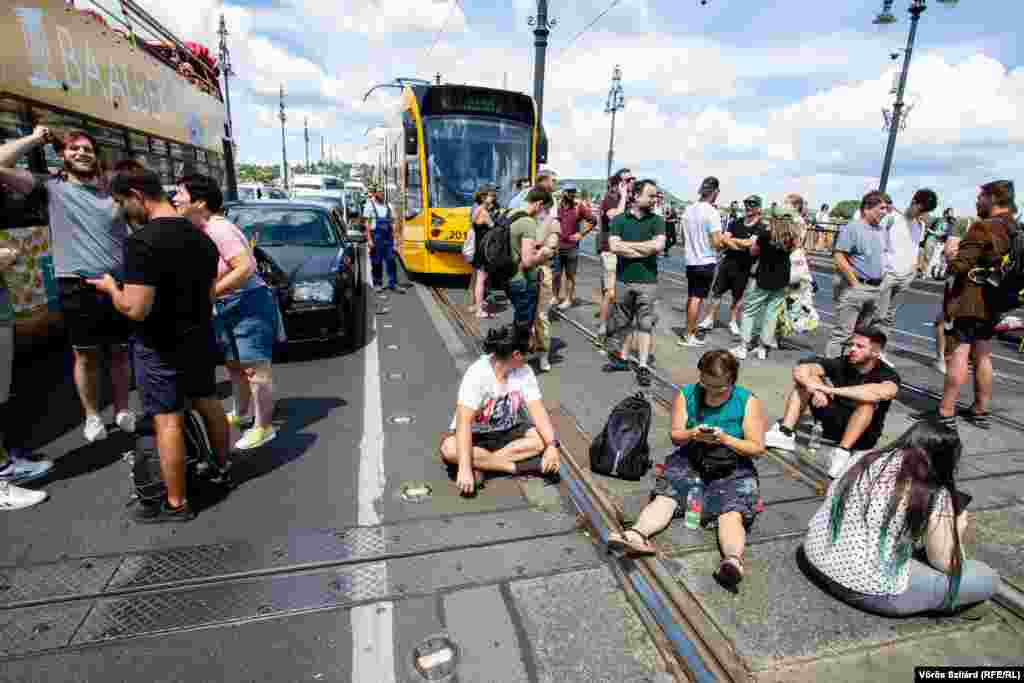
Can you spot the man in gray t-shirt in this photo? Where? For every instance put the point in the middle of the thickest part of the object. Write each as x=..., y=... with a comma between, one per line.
x=87, y=235
x=859, y=269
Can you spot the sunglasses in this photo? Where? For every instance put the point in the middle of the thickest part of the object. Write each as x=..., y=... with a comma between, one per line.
x=714, y=388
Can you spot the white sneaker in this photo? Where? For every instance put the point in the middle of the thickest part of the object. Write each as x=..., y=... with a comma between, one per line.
x=255, y=437
x=693, y=341
x=95, y=430
x=734, y=328
x=761, y=352
x=740, y=352
x=16, y=498
x=545, y=363
x=125, y=419
x=776, y=438
x=706, y=324
x=840, y=461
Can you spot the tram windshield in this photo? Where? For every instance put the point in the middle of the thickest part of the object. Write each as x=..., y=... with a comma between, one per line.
x=463, y=153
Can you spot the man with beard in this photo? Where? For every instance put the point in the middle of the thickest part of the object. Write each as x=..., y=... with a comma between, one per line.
x=87, y=235
x=170, y=268
x=969, y=317
x=572, y=214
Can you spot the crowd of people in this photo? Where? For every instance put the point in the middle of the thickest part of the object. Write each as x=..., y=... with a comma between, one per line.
x=174, y=284
x=886, y=501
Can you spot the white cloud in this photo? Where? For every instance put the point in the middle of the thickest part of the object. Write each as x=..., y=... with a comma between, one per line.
x=379, y=18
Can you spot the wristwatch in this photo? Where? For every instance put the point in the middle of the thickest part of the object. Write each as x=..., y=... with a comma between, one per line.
x=556, y=443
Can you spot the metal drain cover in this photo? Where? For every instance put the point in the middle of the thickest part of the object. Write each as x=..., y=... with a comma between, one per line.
x=436, y=658
x=416, y=492
x=402, y=419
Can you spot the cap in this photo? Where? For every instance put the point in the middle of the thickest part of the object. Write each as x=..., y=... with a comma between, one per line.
x=753, y=200
x=547, y=173
x=570, y=187
x=710, y=184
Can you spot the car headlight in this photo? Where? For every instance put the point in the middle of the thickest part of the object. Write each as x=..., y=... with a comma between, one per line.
x=320, y=291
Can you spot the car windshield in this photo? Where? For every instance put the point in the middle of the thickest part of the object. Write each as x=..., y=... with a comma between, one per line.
x=307, y=186
x=278, y=225
x=464, y=153
x=319, y=198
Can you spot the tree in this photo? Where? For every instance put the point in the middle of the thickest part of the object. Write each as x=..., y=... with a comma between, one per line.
x=845, y=209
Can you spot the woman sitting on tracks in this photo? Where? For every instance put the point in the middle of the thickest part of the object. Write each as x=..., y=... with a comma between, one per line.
x=893, y=501
x=719, y=429
x=500, y=422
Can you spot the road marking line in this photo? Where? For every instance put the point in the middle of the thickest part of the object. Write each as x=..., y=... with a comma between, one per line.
x=373, y=626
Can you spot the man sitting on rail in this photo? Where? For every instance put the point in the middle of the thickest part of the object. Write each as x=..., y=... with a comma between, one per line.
x=500, y=423
x=849, y=396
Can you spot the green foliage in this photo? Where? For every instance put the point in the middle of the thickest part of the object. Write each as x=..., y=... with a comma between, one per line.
x=845, y=209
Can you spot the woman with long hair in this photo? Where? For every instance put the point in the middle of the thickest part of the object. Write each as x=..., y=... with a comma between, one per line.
x=891, y=502
x=484, y=202
x=762, y=304
x=245, y=312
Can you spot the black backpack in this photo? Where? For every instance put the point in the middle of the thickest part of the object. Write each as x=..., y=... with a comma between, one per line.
x=496, y=253
x=148, y=485
x=1009, y=292
x=621, y=449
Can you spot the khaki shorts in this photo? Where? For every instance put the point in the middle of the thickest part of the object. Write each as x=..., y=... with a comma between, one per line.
x=611, y=262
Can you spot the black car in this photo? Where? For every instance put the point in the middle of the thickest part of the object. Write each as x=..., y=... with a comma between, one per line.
x=316, y=267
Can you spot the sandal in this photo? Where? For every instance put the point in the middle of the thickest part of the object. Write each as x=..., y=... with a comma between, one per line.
x=730, y=572
x=618, y=541
x=979, y=420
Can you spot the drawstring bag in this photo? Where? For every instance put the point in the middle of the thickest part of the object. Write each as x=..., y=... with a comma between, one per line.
x=798, y=314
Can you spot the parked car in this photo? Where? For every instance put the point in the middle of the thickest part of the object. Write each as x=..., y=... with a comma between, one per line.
x=336, y=200
x=251, y=191
x=316, y=268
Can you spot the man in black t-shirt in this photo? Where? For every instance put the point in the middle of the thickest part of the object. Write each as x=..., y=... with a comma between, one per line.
x=170, y=269
x=734, y=271
x=849, y=396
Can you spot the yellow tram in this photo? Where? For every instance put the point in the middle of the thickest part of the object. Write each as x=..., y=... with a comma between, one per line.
x=453, y=139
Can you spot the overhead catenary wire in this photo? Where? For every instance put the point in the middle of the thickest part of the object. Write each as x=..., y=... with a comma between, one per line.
x=444, y=25
x=586, y=28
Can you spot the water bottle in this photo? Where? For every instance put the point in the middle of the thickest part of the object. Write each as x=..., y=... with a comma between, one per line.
x=694, y=504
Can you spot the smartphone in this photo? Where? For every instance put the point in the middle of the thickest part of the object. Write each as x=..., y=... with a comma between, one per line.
x=706, y=430
x=963, y=499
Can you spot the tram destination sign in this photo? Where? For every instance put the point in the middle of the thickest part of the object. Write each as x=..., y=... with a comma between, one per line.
x=458, y=99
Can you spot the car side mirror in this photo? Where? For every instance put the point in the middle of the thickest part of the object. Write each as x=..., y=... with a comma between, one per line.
x=357, y=236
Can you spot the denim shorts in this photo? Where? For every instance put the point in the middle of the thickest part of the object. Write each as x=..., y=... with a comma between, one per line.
x=246, y=325
x=739, y=492
x=523, y=295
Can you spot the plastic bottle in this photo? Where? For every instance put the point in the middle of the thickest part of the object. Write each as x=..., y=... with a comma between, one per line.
x=694, y=505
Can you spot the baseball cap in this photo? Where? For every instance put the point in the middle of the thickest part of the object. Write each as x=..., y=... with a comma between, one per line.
x=754, y=200
x=547, y=173
x=710, y=184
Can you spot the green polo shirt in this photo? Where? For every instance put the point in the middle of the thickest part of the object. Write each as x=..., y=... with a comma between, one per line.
x=523, y=227
x=629, y=228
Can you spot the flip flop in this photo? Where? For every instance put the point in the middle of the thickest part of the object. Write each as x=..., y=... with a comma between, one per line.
x=619, y=541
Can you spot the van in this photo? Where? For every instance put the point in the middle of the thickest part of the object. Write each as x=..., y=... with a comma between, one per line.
x=315, y=184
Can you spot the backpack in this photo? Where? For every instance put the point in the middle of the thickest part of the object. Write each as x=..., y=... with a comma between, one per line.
x=621, y=449
x=496, y=253
x=1008, y=293
x=148, y=485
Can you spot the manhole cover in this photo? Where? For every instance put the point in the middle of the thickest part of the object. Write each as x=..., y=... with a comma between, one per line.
x=395, y=376
x=391, y=347
x=402, y=419
x=435, y=658
x=416, y=492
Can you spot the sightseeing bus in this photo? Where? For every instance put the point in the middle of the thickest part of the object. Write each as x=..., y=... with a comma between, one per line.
x=450, y=140
x=141, y=92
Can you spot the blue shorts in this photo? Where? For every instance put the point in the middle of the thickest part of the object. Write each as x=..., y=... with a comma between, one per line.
x=739, y=492
x=246, y=326
x=167, y=377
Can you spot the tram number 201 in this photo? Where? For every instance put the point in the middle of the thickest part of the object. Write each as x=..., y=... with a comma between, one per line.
x=457, y=235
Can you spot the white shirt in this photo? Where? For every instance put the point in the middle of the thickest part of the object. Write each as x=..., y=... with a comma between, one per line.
x=857, y=560
x=498, y=407
x=700, y=220
x=374, y=211
x=902, y=244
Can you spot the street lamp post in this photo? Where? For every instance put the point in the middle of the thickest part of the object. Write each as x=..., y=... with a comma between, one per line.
x=225, y=66
x=284, y=147
x=615, y=103
x=916, y=9
x=540, y=34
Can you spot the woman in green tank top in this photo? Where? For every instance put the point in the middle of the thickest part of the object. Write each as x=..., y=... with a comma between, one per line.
x=718, y=429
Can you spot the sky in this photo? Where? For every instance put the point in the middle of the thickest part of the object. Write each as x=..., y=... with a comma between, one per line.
x=770, y=97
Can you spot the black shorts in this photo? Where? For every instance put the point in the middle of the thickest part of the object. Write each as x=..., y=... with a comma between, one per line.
x=166, y=378
x=733, y=278
x=567, y=261
x=699, y=279
x=90, y=317
x=970, y=330
x=833, y=418
x=495, y=441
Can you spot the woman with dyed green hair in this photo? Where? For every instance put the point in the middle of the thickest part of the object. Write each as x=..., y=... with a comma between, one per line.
x=892, y=502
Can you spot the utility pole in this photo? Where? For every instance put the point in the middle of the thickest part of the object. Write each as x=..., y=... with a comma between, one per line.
x=284, y=148
x=306, y=125
x=229, y=146
x=540, y=43
x=321, y=148
x=616, y=102
x=437, y=78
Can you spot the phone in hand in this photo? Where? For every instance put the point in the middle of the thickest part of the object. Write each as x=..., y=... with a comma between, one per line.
x=704, y=429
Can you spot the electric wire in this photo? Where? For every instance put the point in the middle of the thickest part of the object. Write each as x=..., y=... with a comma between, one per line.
x=586, y=28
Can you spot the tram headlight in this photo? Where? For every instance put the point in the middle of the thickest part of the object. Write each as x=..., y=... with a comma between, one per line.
x=319, y=291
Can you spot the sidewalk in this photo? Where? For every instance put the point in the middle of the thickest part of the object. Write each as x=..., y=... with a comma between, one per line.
x=807, y=635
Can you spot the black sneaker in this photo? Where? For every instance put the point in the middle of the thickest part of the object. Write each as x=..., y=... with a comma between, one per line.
x=643, y=377
x=159, y=514
x=221, y=476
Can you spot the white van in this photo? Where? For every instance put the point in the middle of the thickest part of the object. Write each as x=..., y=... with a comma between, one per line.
x=314, y=184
